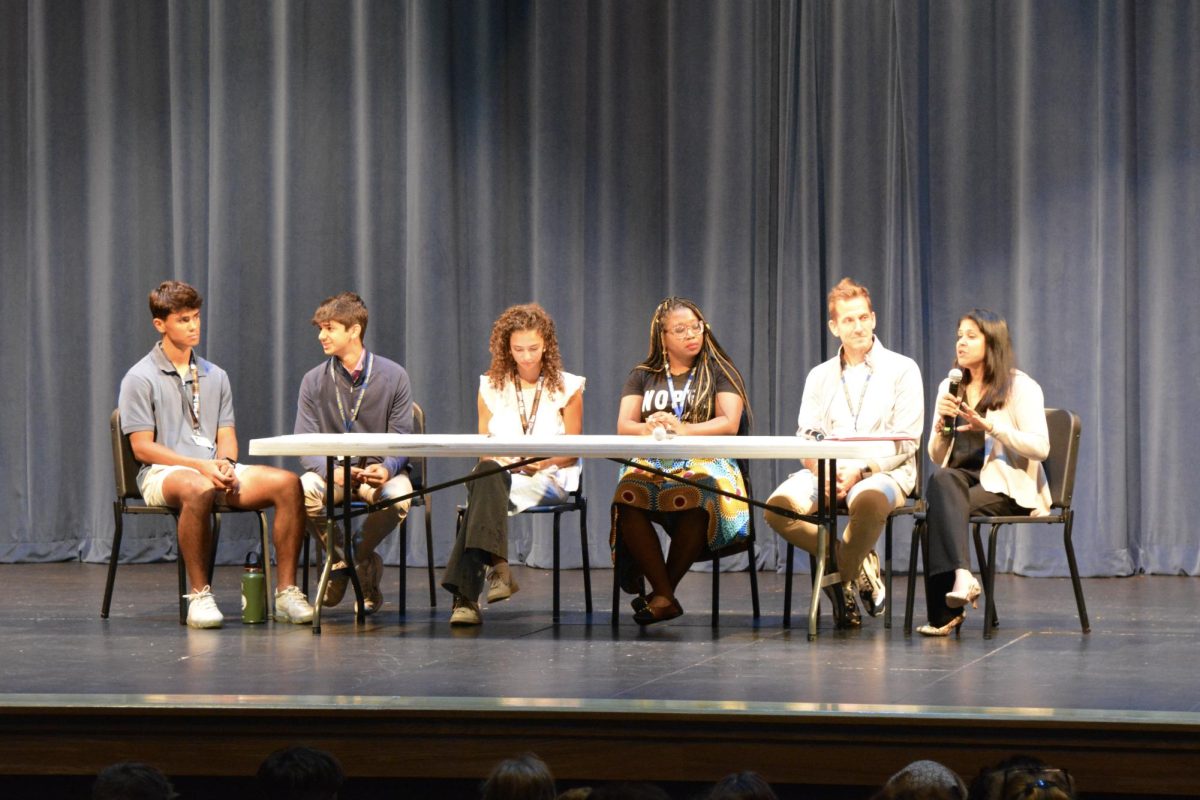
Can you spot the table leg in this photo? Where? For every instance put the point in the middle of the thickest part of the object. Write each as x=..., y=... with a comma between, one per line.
x=814, y=608
x=348, y=541
x=826, y=531
x=327, y=567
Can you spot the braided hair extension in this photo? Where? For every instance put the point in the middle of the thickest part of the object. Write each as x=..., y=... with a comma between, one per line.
x=711, y=359
x=527, y=317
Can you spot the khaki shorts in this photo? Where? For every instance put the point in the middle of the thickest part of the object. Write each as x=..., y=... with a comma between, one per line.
x=152, y=484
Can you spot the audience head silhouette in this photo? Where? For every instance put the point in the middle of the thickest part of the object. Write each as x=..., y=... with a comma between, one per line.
x=132, y=781
x=525, y=777
x=742, y=786
x=1023, y=778
x=300, y=773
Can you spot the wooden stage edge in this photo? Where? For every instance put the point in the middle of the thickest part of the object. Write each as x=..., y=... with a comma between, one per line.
x=1115, y=752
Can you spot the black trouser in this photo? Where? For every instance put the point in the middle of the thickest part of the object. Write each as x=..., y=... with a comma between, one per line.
x=952, y=496
x=483, y=534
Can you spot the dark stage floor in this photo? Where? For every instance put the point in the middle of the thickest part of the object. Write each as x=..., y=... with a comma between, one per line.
x=1040, y=680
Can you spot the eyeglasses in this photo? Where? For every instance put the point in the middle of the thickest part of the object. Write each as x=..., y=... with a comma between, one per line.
x=695, y=329
x=1028, y=781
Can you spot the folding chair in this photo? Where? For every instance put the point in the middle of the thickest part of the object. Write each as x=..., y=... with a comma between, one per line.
x=911, y=506
x=417, y=476
x=576, y=502
x=746, y=546
x=129, y=501
x=1064, y=428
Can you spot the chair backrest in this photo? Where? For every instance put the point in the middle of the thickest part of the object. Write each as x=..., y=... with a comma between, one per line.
x=1064, y=428
x=417, y=472
x=125, y=466
x=919, y=457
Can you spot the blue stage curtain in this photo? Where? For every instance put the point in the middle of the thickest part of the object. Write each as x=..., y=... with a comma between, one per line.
x=446, y=159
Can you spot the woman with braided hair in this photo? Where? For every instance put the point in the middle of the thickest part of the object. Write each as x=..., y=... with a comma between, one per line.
x=686, y=386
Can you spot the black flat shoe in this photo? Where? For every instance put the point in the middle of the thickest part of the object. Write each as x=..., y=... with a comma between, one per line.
x=649, y=614
x=640, y=601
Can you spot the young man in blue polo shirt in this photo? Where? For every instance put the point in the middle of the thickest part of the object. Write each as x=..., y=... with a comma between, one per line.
x=355, y=391
x=177, y=409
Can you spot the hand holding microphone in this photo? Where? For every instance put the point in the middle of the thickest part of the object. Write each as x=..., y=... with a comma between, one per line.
x=956, y=389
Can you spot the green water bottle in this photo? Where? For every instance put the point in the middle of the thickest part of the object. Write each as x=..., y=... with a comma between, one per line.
x=254, y=591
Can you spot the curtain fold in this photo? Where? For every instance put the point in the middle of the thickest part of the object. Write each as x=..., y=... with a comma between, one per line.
x=446, y=160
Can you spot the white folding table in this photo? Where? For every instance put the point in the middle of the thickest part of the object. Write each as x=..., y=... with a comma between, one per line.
x=345, y=447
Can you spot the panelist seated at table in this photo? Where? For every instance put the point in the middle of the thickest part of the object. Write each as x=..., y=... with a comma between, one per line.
x=990, y=456
x=354, y=390
x=686, y=386
x=177, y=410
x=524, y=392
x=864, y=389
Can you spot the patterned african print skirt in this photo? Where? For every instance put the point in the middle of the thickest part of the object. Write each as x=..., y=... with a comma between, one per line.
x=728, y=519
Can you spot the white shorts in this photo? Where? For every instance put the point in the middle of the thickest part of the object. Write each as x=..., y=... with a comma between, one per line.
x=801, y=487
x=152, y=484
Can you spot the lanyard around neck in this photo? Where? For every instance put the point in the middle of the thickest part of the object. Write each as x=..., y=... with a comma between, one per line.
x=528, y=422
x=862, y=396
x=194, y=406
x=348, y=421
x=677, y=405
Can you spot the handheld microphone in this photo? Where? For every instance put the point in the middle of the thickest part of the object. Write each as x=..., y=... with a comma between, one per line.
x=955, y=377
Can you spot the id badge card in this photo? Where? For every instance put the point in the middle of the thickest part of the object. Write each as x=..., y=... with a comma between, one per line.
x=202, y=441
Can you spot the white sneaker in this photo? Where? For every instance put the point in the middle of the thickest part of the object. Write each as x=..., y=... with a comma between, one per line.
x=871, y=587
x=466, y=612
x=202, y=609
x=501, y=583
x=292, y=606
x=370, y=572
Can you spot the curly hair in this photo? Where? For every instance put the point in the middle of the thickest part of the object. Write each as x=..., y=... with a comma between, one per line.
x=527, y=317
x=711, y=359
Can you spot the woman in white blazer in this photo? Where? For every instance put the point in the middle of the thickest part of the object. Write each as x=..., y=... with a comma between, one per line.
x=990, y=456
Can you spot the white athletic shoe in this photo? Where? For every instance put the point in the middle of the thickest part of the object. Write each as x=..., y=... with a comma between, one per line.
x=292, y=606
x=202, y=609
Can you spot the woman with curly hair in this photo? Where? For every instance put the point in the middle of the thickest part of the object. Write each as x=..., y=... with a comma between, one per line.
x=686, y=386
x=524, y=392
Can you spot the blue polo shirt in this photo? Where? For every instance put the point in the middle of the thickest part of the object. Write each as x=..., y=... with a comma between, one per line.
x=155, y=398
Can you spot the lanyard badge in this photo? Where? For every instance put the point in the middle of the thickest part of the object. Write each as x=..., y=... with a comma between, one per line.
x=678, y=400
x=348, y=421
x=528, y=422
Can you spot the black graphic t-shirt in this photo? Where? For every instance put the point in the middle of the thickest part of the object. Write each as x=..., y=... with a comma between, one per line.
x=652, y=388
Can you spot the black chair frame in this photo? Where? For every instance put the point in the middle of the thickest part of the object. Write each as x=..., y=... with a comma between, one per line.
x=746, y=545
x=1065, y=429
x=129, y=501
x=417, y=476
x=576, y=502
x=912, y=505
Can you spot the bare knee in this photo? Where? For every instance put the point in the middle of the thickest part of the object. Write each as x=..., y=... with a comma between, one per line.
x=190, y=491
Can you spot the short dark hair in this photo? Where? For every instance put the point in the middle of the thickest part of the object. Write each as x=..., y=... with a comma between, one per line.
x=300, y=773
x=346, y=308
x=525, y=777
x=132, y=781
x=742, y=786
x=172, y=296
